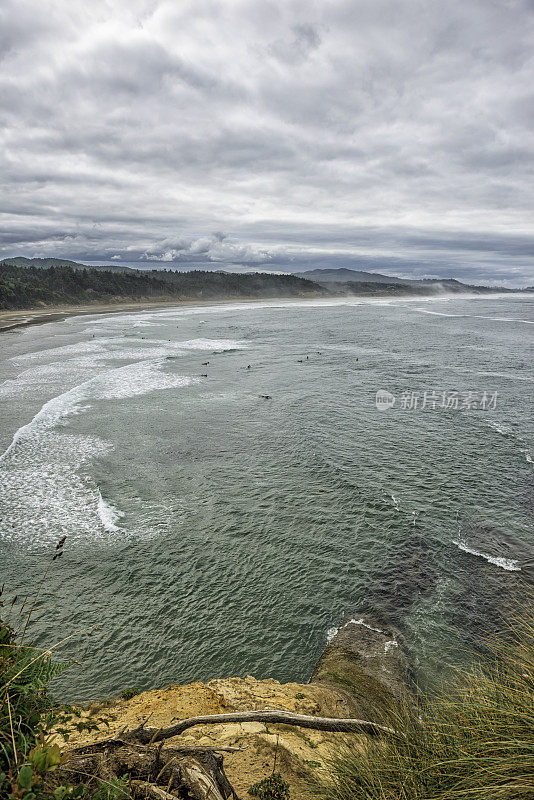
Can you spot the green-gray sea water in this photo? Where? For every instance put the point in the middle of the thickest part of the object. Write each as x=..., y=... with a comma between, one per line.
x=214, y=532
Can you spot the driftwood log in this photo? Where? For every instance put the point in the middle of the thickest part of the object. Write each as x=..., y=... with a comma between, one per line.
x=158, y=773
x=329, y=724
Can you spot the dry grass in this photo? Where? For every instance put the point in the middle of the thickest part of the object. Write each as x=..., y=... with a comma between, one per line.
x=475, y=739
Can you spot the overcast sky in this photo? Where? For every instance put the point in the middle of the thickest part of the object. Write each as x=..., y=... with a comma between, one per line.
x=391, y=135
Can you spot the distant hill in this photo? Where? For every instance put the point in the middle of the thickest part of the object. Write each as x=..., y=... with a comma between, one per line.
x=452, y=286
x=345, y=275
x=33, y=286
x=44, y=263
x=378, y=289
x=351, y=281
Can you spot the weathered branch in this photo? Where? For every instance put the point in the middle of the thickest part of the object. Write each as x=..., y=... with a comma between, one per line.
x=329, y=724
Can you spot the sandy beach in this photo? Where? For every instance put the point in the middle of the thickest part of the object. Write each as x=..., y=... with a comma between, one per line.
x=9, y=320
x=37, y=316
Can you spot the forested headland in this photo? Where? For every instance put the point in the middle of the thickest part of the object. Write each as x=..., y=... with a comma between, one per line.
x=33, y=287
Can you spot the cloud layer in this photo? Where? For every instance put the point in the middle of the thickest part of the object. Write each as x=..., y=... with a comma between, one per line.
x=392, y=135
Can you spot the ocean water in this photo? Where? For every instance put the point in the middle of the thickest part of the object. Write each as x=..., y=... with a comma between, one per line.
x=213, y=532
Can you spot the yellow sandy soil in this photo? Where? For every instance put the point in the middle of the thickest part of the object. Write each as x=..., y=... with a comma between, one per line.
x=301, y=753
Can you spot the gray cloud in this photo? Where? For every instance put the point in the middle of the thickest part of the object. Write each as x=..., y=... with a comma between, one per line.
x=391, y=135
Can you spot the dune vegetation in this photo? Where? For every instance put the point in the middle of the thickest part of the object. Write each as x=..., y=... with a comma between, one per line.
x=472, y=739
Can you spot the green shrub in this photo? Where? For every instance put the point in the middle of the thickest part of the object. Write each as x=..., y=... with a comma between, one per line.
x=272, y=788
x=26, y=715
x=127, y=694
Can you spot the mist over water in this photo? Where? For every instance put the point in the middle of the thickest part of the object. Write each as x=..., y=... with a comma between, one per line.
x=212, y=532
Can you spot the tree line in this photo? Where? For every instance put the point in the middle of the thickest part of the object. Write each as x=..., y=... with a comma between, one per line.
x=27, y=287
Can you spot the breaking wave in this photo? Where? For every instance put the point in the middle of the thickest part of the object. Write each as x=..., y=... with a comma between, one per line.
x=47, y=459
x=109, y=515
x=510, y=564
x=477, y=316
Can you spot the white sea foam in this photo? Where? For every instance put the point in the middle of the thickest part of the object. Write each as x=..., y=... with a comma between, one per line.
x=78, y=363
x=62, y=500
x=331, y=632
x=51, y=414
x=84, y=357
x=508, y=376
x=504, y=431
x=361, y=622
x=54, y=375
x=211, y=344
x=128, y=381
x=355, y=348
x=440, y=313
x=34, y=374
x=141, y=319
x=477, y=316
x=508, y=319
x=395, y=503
x=76, y=349
x=47, y=459
x=109, y=515
x=135, y=379
x=390, y=644
x=510, y=564
x=71, y=356
x=498, y=428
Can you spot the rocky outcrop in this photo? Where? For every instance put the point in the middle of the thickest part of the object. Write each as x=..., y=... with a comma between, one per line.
x=365, y=665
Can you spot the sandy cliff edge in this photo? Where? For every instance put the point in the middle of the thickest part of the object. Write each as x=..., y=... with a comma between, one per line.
x=362, y=673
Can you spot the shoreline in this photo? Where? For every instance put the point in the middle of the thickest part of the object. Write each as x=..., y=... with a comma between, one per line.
x=22, y=318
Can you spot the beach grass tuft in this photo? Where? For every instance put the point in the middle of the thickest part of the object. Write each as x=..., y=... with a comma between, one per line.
x=472, y=740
